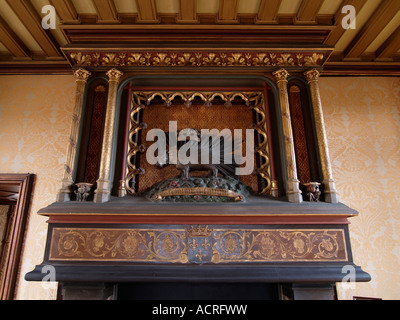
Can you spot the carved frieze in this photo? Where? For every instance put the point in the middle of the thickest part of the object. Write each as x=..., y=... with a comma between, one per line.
x=183, y=58
x=198, y=245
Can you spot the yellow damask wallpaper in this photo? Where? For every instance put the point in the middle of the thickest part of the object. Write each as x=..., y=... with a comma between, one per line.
x=35, y=117
x=363, y=125
x=362, y=119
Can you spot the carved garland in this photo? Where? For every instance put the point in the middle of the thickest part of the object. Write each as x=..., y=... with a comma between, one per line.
x=254, y=100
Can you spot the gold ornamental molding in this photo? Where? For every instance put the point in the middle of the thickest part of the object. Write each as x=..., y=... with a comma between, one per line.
x=198, y=245
x=201, y=58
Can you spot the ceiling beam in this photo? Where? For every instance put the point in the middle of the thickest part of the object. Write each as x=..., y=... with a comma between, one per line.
x=374, y=26
x=106, y=10
x=147, y=11
x=390, y=46
x=187, y=11
x=66, y=11
x=268, y=11
x=338, y=32
x=308, y=11
x=32, y=21
x=228, y=10
x=11, y=41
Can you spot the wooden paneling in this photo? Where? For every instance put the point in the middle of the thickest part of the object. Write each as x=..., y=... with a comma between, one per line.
x=228, y=11
x=11, y=41
x=27, y=46
x=106, y=11
x=378, y=21
x=147, y=11
x=268, y=11
x=32, y=21
x=308, y=11
x=65, y=10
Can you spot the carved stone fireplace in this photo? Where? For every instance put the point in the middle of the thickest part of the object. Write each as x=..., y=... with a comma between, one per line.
x=282, y=240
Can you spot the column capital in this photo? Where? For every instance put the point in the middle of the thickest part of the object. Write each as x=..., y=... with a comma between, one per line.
x=281, y=75
x=82, y=74
x=114, y=74
x=312, y=75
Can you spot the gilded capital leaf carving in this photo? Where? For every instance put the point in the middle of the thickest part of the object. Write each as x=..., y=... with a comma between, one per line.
x=114, y=74
x=312, y=75
x=82, y=74
x=281, y=75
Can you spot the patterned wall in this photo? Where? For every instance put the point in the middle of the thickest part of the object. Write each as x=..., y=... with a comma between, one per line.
x=35, y=118
x=362, y=118
x=363, y=124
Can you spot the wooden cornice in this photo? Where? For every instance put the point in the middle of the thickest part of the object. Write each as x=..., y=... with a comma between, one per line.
x=361, y=69
x=196, y=35
x=35, y=67
x=30, y=18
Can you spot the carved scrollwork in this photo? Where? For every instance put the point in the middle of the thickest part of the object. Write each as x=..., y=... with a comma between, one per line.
x=183, y=244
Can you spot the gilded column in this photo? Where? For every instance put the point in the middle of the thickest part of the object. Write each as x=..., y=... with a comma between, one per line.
x=328, y=182
x=64, y=194
x=102, y=193
x=293, y=184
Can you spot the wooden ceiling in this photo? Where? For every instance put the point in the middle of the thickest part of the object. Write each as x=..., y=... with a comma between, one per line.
x=373, y=48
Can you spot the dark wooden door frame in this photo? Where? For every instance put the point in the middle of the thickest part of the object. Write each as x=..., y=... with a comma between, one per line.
x=11, y=253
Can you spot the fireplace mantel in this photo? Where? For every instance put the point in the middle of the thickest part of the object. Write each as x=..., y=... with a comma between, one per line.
x=262, y=240
x=274, y=236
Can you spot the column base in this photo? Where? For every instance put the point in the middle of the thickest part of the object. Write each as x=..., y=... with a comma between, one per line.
x=102, y=193
x=294, y=193
x=65, y=193
x=330, y=192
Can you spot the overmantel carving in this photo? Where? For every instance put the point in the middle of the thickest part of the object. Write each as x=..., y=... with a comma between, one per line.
x=204, y=58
